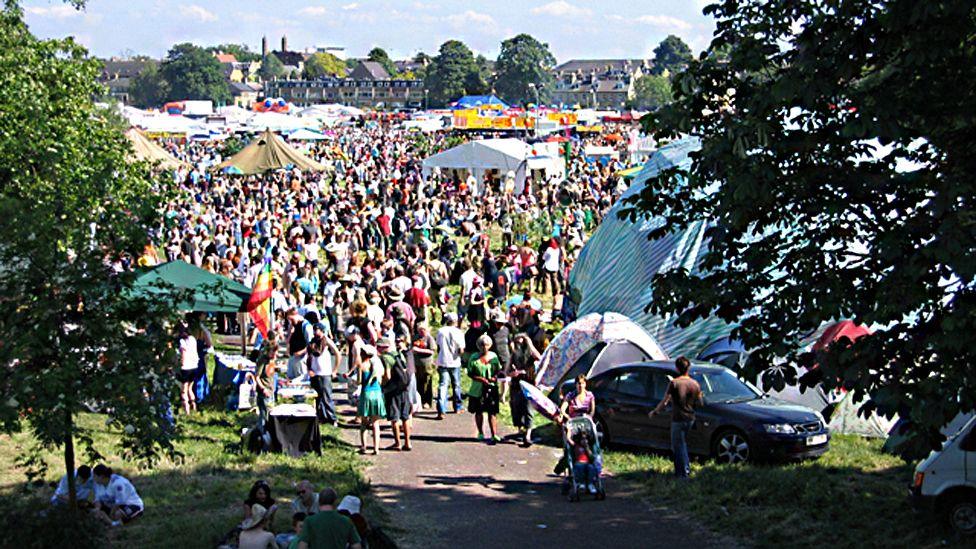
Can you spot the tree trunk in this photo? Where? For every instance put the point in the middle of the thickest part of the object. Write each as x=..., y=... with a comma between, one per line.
x=69, y=457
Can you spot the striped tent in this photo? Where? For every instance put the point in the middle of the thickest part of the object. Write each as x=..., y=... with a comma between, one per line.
x=615, y=268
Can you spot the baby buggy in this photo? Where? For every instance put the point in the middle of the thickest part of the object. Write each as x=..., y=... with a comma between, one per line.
x=581, y=450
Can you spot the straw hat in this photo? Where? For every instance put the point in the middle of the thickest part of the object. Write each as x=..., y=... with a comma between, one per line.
x=258, y=512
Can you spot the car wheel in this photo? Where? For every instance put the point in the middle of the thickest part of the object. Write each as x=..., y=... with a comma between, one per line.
x=731, y=446
x=602, y=432
x=962, y=515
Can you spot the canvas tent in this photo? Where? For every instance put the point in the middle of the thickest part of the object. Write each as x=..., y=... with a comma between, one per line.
x=211, y=293
x=268, y=152
x=475, y=101
x=615, y=268
x=593, y=344
x=144, y=148
x=504, y=155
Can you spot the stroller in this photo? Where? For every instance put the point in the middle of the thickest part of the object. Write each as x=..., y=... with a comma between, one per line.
x=573, y=488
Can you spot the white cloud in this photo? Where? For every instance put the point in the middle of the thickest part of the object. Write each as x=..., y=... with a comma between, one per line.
x=664, y=22
x=200, y=13
x=561, y=8
x=55, y=12
x=351, y=6
x=313, y=11
x=470, y=17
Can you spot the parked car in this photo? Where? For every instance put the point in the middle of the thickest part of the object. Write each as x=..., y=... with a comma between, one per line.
x=945, y=481
x=737, y=422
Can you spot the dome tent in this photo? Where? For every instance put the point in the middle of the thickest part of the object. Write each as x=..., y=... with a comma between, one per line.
x=593, y=344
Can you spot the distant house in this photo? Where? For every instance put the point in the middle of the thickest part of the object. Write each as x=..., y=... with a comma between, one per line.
x=369, y=70
x=118, y=74
x=244, y=94
x=597, y=83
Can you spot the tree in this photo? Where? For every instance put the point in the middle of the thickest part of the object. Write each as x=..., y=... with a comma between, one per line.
x=149, y=89
x=837, y=174
x=524, y=63
x=324, y=64
x=478, y=81
x=240, y=51
x=380, y=56
x=671, y=55
x=652, y=91
x=452, y=73
x=193, y=73
x=271, y=68
x=73, y=332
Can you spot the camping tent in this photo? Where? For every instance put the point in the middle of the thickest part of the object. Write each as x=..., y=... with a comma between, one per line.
x=268, y=152
x=475, y=101
x=144, y=148
x=211, y=293
x=593, y=344
x=503, y=155
x=615, y=268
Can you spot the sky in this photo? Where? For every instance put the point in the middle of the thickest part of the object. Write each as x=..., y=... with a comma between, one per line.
x=572, y=28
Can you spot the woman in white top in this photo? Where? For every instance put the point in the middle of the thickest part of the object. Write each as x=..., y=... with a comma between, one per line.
x=189, y=360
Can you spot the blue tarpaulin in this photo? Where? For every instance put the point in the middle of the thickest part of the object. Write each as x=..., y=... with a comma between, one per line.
x=472, y=101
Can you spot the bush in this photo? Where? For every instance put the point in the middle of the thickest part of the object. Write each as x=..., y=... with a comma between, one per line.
x=39, y=526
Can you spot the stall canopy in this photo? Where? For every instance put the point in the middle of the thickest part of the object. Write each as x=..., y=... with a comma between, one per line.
x=144, y=148
x=278, y=122
x=474, y=101
x=305, y=134
x=593, y=344
x=616, y=268
x=497, y=154
x=211, y=293
x=268, y=152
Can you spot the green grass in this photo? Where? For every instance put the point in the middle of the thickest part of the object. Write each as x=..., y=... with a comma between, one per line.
x=854, y=496
x=194, y=502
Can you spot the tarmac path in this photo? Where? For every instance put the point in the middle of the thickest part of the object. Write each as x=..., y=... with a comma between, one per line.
x=455, y=491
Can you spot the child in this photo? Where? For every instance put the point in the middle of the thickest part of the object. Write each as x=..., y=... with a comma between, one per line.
x=289, y=540
x=584, y=464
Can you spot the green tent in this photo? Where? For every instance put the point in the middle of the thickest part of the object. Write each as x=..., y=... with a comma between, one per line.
x=211, y=293
x=268, y=152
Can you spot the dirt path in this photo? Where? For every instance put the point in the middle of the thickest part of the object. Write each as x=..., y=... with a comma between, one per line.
x=454, y=491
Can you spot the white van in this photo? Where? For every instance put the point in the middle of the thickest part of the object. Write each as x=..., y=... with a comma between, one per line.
x=946, y=481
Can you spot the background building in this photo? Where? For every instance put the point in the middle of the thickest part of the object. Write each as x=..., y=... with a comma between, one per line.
x=367, y=86
x=597, y=83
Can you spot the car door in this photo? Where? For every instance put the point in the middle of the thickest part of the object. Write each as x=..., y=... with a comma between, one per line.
x=629, y=399
x=657, y=430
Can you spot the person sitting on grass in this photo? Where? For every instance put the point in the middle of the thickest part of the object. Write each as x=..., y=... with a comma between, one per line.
x=289, y=540
x=307, y=500
x=254, y=533
x=116, y=499
x=261, y=494
x=83, y=487
x=328, y=529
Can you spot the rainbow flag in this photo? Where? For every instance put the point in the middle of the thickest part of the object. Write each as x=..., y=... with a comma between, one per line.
x=259, y=304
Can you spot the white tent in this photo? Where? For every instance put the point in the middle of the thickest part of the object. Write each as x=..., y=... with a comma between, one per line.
x=305, y=134
x=846, y=419
x=278, y=122
x=592, y=344
x=503, y=155
x=331, y=110
x=168, y=123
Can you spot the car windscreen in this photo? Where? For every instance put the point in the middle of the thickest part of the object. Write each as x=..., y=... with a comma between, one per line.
x=723, y=386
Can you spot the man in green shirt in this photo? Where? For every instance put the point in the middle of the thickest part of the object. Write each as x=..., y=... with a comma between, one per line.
x=327, y=529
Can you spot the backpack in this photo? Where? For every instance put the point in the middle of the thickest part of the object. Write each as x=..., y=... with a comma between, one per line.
x=399, y=378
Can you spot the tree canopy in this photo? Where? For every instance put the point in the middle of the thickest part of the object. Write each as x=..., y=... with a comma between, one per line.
x=70, y=206
x=671, y=55
x=837, y=174
x=271, y=67
x=324, y=64
x=240, y=51
x=453, y=73
x=194, y=73
x=523, y=60
x=380, y=56
x=652, y=91
x=149, y=89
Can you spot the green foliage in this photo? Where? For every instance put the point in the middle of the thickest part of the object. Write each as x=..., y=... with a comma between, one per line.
x=523, y=61
x=652, y=91
x=671, y=55
x=324, y=64
x=193, y=73
x=240, y=51
x=149, y=88
x=380, y=56
x=810, y=221
x=453, y=73
x=231, y=146
x=70, y=205
x=271, y=68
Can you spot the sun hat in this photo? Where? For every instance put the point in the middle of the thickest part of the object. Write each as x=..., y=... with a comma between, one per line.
x=258, y=512
x=350, y=504
x=368, y=350
x=384, y=342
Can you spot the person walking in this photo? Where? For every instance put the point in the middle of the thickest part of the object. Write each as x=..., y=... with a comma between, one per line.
x=322, y=355
x=264, y=378
x=395, y=393
x=301, y=335
x=424, y=349
x=483, y=368
x=450, y=345
x=684, y=393
x=371, y=408
x=189, y=361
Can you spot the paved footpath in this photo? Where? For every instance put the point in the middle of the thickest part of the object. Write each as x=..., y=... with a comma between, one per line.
x=454, y=491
